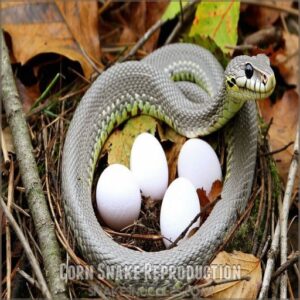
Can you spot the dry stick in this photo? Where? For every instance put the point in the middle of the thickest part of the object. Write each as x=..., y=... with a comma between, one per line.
x=4, y=148
x=183, y=233
x=31, y=280
x=29, y=173
x=183, y=18
x=291, y=11
x=275, y=242
x=278, y=150
x=268, y=216
x=10, y=196
x=261, y=209
x=293, y=259
x=285, y=213
x=33, y=261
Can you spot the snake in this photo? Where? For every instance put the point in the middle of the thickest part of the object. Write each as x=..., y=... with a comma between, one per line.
x=186, y=87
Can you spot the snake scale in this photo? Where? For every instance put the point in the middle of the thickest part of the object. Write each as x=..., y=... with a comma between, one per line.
x=186, y=87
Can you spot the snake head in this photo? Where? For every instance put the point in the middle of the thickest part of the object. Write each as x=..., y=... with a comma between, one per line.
x=250, y=77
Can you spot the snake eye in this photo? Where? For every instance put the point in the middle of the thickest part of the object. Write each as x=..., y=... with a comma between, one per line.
x=249, y=70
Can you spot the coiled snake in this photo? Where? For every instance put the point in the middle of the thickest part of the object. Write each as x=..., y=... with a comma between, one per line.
x=201, y=100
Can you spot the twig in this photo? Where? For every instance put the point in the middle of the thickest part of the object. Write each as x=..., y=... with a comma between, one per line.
x=262, y=205
x=278, y=150
x=268, y=216
x=31, y=280
x=264, y=249
x=241, y=47
x=4, y=148
x=291, y=11
x=183, y=233
x=140, y=43
x=153, y=237
x=29, y=173
x=285, y=213
x=270, y=264
x=183, y=17
x=34, y=263
x=10, y=196
x=144, y=39
x=293, y=259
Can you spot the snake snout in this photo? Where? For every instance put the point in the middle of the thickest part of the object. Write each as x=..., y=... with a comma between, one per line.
x=250, y=78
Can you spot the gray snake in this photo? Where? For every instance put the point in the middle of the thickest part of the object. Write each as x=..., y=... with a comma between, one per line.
x=201, y=100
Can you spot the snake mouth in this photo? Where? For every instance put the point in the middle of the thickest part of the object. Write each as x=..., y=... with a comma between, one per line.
x=252, y=89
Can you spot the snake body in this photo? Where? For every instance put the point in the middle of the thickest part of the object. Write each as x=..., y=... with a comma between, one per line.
x=186, y=87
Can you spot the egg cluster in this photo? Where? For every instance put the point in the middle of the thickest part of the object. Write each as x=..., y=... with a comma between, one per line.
x=119, y=190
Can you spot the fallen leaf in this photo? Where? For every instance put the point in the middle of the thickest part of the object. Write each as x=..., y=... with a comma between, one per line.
x=285, y=114
x=173, y=9
x=203, y=197
x=217, y=20
x=119, y=144
x=288, y=61
x=264, y=17
x=68, y=28
x=126, y=22
x=166, y=133
x=233, y=266
x=215, y=191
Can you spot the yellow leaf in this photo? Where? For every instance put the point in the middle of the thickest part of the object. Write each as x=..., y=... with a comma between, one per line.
x=230, y=266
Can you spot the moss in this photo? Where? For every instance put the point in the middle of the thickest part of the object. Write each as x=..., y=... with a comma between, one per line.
x=243, y=237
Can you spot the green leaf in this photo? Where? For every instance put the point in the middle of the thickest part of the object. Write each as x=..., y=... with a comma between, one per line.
x=217, y=20
x=173, y=10
x=119, y=144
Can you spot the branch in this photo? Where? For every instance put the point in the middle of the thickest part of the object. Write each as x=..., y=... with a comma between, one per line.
x=29, y=173
x=282, y=222
x=33, y=261
x=270, y=264
x=140, y=43
x=285, y=213
x=293, y=259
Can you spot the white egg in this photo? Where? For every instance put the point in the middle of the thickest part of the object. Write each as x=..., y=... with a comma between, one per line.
x=179, y=207
x=199, y=163
x=149, y=165
x=118, y=196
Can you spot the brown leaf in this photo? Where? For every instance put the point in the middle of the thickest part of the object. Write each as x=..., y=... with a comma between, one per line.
x=288, y=61
x=264, y=17
x=28, y=94
x=285, y=114
x=231, y=266
x=172, y=152
x=130, y=22
x=215, y=191
x=204, y=200
x=68, y=28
